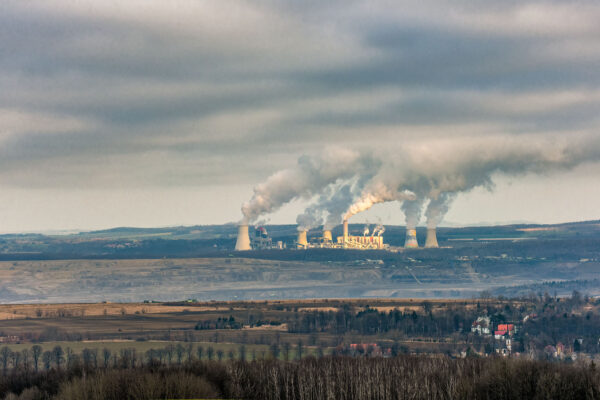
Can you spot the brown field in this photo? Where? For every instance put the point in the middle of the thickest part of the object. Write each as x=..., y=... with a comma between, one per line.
x=145, y=326
x=20, y=311
x=152, y=325
x=45, y=311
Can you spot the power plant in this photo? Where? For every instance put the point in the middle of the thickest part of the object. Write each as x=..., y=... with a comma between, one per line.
x=364, y=242
x=369, y=240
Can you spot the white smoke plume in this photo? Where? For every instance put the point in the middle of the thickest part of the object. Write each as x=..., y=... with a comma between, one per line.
x=415, y=172
x=334, y=201
x=309, y=177
x=366, y=230
x=437, y=209
x=378, y=230
x=310, y=218
x=338, y=203
x=376, y=193
x=412, y=211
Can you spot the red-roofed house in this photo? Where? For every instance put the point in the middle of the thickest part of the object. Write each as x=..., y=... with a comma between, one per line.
x=500, y=334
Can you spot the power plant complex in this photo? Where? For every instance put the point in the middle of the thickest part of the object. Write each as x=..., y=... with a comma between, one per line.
x=369, y=240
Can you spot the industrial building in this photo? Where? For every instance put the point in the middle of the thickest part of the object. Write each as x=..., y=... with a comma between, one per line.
x=260, y=240
x=364, y=242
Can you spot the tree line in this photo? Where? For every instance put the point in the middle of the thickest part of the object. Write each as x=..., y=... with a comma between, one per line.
x=330, y=377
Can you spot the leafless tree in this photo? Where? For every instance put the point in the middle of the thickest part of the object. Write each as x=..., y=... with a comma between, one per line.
x=287, y=347
x=106, y=354
x=36, y=353
x=47, y=358
x=58, y=354
x=179, y=351
x=26, y=359
x=5, y=355
x=242, y=352
x=189, y=349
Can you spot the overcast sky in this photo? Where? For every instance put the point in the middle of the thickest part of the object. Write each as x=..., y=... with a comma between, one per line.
x=154, y=113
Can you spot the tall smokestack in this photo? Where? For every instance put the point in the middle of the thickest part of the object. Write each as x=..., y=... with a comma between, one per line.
x=302, y=239
x=431, y=241
x=243, y=239
x=327, y=235
x=411, y=239
x=345, y=230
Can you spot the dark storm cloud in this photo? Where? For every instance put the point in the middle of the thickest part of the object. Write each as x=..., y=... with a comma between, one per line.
x=92, y=92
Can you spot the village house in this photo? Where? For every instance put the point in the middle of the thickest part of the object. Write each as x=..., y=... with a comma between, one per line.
x=482, y=326
x=504, y=330
x=9, y=339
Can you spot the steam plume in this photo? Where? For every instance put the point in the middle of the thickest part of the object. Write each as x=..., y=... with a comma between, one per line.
x=413, y=173
x=379, y=192
x=307, y=178
x=437, y=209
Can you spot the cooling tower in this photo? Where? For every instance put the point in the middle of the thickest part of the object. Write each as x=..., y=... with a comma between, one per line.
x=243, y=239
x=302, y=242
x=327, y=235
x=431, y=238
x=411, y=239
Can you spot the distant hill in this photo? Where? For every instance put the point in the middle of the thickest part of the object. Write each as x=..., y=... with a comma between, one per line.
x=219, y=240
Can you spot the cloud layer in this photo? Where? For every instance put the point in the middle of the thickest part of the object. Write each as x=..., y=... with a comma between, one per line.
x=162, y=95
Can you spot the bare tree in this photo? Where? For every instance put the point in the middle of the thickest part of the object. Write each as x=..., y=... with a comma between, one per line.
x=94, y=356
x=36, y=353
x=15, y=359
x=26, y=359
x=286, y=351
x=86, y=355
x=189, y=349
x=47, y=358
x=70, y=356
x=106, y=354
x=299, y=349
x=58, y=354
x=179, y=351
x=5, y=354
x=274, y=350
x=151, y=356
x=169, y=351
x=242, y=353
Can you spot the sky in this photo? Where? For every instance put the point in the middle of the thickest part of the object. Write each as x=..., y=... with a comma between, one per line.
x=154, y=113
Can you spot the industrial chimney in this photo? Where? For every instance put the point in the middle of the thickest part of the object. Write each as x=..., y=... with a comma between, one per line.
x=411, y=239
x=327, y=235
x=243, y=239
x=431, y=241
x=345, y=231
x=302, y=242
